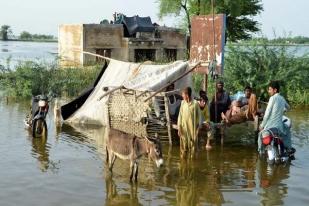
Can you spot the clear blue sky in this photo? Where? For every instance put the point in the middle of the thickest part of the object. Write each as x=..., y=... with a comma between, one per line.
x=44, y=16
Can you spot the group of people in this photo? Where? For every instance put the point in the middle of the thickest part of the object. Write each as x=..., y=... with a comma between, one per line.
x=196, y=114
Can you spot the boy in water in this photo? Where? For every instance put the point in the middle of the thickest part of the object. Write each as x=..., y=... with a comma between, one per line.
x=188, y=122
x=205, y=118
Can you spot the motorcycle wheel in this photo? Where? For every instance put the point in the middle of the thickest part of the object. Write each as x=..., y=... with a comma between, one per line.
x=39, y=128
x=273, y=152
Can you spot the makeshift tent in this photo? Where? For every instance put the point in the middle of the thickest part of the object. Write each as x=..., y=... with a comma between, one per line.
x=68, y=109
x=135, y=76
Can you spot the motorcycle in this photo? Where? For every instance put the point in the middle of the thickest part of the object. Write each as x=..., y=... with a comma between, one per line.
x=37, y=118
x=276, y=152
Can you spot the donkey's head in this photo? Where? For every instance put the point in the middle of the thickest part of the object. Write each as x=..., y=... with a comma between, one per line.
x=155, y=150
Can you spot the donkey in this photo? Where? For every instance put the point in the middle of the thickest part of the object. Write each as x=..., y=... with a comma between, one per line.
x=130, y=147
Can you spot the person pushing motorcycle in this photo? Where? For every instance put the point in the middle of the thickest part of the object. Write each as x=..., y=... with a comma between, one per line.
x=272, y=119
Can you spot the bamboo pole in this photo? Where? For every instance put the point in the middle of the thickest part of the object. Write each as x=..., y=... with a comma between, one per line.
x=175, y=80
x=141, y=94
x=167, y=114
x=109, y=92
x=97, y=55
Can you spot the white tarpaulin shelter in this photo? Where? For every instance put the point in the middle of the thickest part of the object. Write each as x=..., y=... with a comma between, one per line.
x=136, y=76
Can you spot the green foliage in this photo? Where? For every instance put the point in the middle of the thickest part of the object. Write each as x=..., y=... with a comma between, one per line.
x=27, y=36
x=283, y=40
x=5, y=31
x=240, y=13
x=31, y=78
x=197, y=82
x=256, y=65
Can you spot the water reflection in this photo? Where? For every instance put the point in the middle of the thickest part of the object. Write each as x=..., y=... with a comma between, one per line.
x=40, y=151
x=87, y=135
x=231, y=174
x=271, y=178
x=194, y=187
x=207, y=179
x=117, y=196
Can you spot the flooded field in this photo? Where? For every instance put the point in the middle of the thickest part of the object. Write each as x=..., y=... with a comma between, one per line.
x=69, y=169
x=13, y=52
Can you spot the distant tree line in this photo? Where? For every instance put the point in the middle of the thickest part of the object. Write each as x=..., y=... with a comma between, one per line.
x=7, y=34
x=28, y=36
x=283, y=40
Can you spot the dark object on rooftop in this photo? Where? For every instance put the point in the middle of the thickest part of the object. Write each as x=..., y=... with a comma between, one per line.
x=135, y=24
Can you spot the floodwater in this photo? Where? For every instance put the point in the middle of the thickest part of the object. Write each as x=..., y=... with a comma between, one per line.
x=13, y=52
x=69, y=169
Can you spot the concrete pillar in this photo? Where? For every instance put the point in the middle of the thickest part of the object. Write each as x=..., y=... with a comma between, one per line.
x=160, y=54
x=131, y=54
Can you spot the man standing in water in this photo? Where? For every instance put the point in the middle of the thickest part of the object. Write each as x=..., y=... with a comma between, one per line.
x=273, y=116
x=220, y=103
x=205, y=122
x=188, y=123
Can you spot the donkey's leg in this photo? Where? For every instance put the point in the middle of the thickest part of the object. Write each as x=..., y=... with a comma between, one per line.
x=132, y=165
x=107, y=158
x=112, y=158
x=136, y=170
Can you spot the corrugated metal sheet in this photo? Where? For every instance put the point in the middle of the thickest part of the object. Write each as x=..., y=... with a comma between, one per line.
x=204, y=47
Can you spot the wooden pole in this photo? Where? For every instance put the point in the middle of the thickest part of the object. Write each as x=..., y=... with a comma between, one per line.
x=167, y=114
x=109, y=92
x=141, y=94
x=97, y=55
x=175, y=80
x=205, y=83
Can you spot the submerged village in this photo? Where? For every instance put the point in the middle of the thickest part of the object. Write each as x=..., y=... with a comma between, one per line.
x=134, y=112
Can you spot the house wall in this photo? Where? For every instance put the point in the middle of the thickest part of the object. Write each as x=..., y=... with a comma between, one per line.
x=73, y=39
x=173, y=39
x=70, y=44
x=103, y=36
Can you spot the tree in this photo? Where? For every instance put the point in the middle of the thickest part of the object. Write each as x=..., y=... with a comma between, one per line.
x=169, y=7
x=25, y=35
x=5, y=31
x=256, y=64
x=239, y=13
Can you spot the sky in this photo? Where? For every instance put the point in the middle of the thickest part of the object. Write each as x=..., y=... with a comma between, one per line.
x=284, y=17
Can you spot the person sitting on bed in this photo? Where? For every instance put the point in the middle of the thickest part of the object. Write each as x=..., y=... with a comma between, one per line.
x=242, y=110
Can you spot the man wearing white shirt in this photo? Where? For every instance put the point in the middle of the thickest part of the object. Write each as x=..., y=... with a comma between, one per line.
x=273, y=115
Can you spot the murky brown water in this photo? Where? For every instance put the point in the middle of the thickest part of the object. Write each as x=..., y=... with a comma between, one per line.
x=69, y=169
